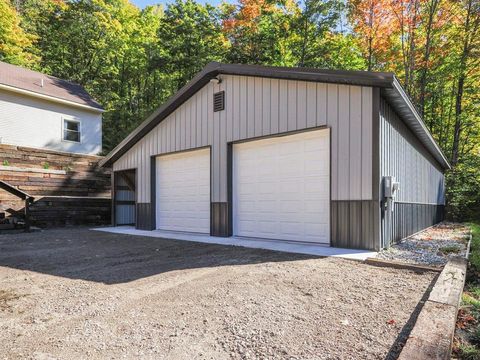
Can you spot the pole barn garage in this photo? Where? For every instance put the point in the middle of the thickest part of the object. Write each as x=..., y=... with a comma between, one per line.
x=340, y=158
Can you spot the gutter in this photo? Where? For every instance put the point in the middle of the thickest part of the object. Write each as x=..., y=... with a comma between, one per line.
x=50, y=98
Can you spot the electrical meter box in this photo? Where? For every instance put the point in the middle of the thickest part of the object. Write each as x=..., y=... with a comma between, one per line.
x=390, y=187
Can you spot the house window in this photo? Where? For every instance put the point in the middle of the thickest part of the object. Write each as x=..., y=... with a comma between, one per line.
x=71, y=130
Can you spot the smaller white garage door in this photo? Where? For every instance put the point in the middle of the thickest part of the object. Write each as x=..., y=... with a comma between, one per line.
x=281, y=188
x=183, y=191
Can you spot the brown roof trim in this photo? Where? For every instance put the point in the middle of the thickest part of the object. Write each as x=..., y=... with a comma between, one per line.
x=211, y=70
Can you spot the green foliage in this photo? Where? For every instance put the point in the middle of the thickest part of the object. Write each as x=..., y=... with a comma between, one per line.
x=469, y=352
x=475, y=337
x=15, y=43
x=189, y=36
x=46, y=165
x=475, y=258
x=5, y=163
x=463, y=184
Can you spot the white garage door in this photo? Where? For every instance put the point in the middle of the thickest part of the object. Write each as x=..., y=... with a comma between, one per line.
x=183, y=191
x=281, y=187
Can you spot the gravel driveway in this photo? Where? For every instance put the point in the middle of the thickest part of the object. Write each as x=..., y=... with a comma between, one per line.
x=75, y=293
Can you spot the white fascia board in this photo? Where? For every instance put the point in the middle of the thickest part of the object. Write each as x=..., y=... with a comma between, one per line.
x=50, y=98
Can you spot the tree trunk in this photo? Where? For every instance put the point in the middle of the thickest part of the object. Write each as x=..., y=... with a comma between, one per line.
x=461, y=84
x=433, y=6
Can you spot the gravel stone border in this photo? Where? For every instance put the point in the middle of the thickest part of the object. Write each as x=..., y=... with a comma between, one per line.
x=434, y=246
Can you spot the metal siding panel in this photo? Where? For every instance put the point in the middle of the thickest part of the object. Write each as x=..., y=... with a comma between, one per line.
x=236, y=108
x=343, y=142
x=197, y=123
x=334, y=221
x=266, y=89
x=301, y=105
x=204, y=117
x=356, y=157
x=414, y=167
x=183, y=126
x=311, y=104
x=367, y=138
x=210, y=113
x=215, y=193
x=222, y=149
x=332, y=120
x=229, y=93
x=274, y=106
x=292, y=105
x=251, y=107
x=321, y=109
x=178, y=131
x=243, y=107
x=258, y=106
x=190, y=136
x=283, y=112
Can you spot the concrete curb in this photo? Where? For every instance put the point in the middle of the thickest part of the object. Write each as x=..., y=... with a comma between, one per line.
x=432, y=334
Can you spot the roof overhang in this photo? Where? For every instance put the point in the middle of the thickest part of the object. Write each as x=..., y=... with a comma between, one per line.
x=50, y=98
x=387, y=81
x=401, y=103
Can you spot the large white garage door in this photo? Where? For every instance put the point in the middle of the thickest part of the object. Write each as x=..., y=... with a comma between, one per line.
x=183, y=191
x=281, y=187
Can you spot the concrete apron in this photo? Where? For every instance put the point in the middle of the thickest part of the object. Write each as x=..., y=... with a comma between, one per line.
x=432, y=335
x=276, y=245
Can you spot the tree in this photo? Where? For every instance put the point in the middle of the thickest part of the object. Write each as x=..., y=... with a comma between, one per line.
x=15, y=43
x=468, y=61
x=312, y=24
x=189, y=36
x=260, y=32
x=373, y=24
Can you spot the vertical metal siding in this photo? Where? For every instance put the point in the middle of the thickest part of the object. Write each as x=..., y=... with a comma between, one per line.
x=259, y=107
x=403, y=156
x=421, y=198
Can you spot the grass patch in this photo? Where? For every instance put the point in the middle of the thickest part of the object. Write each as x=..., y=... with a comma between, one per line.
x=469, y=352
x=475, y=248
x=449, y=249
x=469, y=314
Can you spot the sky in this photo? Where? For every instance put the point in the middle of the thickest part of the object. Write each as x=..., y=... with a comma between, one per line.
x=142, y=3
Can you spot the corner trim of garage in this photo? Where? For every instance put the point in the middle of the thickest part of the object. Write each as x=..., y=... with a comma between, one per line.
x=153, y=192
x=377, y=231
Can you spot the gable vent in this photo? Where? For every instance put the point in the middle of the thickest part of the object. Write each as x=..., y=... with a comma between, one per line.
x=219, y=101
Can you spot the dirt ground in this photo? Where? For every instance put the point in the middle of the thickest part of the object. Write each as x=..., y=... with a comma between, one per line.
x=76, y=294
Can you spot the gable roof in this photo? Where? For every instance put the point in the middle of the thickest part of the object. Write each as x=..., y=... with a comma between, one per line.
x=19, y=79
x=387, y=82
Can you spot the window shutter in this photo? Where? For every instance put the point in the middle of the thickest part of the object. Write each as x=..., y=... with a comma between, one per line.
x=219, y=101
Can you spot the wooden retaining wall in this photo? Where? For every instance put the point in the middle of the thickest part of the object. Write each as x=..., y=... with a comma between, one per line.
x=68, y=188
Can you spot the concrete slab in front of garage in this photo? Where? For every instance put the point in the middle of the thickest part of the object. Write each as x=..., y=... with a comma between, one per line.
x=276, y=245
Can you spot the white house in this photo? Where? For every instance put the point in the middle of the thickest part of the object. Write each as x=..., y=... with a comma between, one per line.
x=42, y=111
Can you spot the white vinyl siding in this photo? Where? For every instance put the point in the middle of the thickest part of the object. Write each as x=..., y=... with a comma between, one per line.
x=37, y=123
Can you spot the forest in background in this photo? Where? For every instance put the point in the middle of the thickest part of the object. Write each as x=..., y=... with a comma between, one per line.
x=132, y=60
